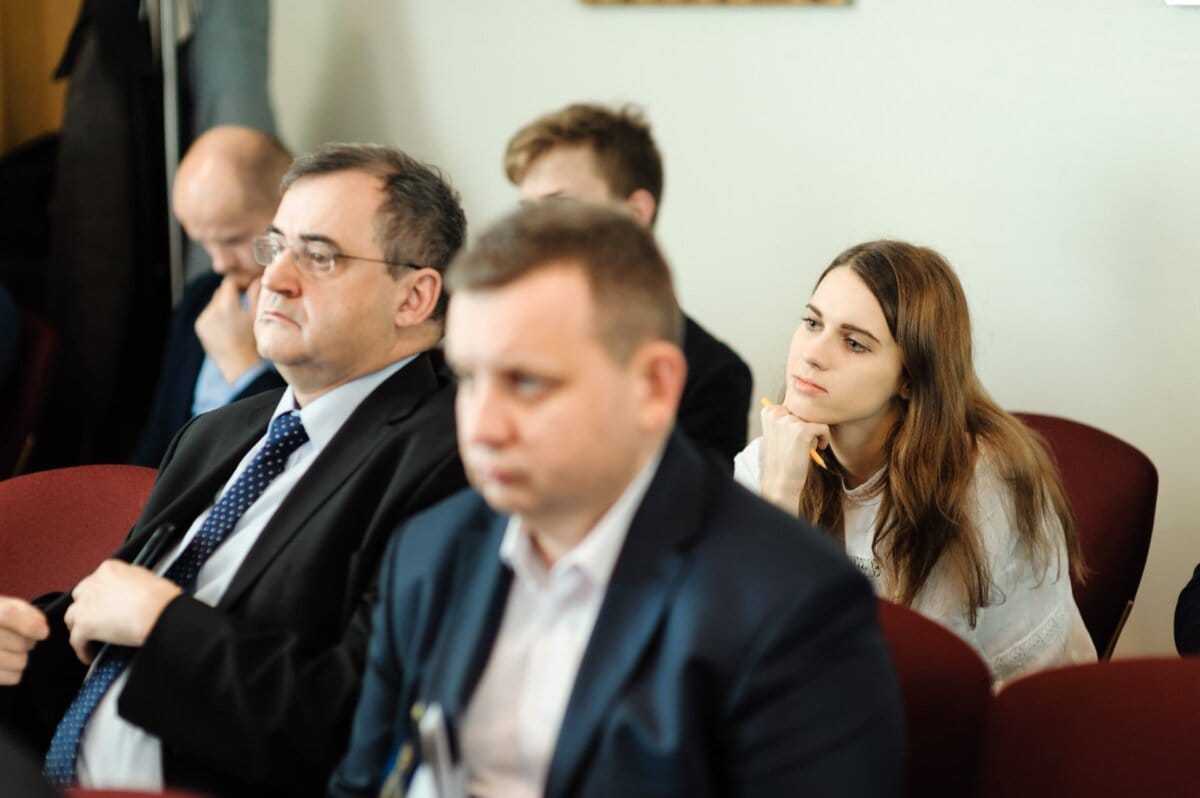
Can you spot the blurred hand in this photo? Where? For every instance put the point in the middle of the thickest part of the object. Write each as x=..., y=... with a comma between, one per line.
x=22, y=625
x=226, y=329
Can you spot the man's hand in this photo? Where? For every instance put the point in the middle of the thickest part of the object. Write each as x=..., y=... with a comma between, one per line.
x=226, y=329
x=22, y=625
x=119, y=603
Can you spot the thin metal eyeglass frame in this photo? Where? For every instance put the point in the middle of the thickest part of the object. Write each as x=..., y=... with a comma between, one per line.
x=299, y=259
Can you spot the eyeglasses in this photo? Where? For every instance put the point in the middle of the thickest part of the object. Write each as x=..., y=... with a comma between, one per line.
x=314, y=257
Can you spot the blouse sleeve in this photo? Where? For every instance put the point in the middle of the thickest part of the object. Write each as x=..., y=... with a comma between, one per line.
x=747, y=468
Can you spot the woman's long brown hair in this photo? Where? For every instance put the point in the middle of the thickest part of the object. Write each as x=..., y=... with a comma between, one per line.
x=947, y=422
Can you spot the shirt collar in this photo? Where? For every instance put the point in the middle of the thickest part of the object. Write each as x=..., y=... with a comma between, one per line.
x=596, y=555
x=867, y=490
x=324, y=416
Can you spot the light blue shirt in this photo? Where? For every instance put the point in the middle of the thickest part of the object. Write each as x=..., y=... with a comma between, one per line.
x=212, y=391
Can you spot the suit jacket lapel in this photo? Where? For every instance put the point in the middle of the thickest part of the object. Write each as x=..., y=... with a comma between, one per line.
x=197, y=489
x=471, y=621
x=644, y=579
x=396, y=398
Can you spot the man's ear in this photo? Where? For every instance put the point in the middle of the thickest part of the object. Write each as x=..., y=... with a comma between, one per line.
x=642, y=203
x=661, y=370
x=421, y=299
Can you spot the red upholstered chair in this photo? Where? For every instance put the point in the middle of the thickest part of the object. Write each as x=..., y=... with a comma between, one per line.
x=946, y=689
x=1113, y=489
x=56, y=526
x=1107, y=728
x=21, y=408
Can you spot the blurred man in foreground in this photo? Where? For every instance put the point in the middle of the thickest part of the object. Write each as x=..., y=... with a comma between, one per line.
x=606, y=612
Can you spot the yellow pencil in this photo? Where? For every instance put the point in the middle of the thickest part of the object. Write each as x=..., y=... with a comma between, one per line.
x=813, y=453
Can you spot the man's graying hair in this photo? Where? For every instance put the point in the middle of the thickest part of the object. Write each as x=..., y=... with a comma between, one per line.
x=420, y=219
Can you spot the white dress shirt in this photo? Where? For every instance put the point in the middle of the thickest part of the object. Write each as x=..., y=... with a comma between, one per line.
x=511, y=724
x=115, y=754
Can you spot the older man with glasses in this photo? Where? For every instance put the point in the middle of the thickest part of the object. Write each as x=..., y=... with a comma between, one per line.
x=221, y=649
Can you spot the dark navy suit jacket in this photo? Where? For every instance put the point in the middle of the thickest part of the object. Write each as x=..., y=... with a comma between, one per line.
x=716, y=396
x=736, y=652
x=182, y=358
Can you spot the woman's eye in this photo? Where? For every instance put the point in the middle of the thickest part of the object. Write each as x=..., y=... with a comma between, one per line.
x=811, y=323
x=855, y=346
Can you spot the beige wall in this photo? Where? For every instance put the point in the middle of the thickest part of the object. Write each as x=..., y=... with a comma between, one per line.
x=1047, y=148
x=33, y=34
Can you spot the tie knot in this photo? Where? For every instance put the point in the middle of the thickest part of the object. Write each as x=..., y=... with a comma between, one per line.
x=287, y=432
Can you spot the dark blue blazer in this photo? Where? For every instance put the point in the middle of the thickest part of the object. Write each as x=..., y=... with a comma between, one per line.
x=182, y=358
x=736, y=652
x=716, y=396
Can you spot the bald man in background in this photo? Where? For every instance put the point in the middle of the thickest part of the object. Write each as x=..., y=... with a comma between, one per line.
x=226, y=192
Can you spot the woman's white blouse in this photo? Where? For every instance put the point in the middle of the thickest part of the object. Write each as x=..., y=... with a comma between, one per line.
x=1030, y=623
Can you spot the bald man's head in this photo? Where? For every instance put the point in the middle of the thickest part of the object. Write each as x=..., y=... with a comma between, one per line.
x=225, y=193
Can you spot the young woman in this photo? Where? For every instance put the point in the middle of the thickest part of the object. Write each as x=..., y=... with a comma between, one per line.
x=946, y=502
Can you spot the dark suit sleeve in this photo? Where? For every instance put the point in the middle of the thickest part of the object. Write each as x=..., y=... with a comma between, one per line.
x=255, y=702
x=817, y=710
x=716, y=397
x=1187, y=617
x=259, y=703
x=20, y=774
x=376, y=735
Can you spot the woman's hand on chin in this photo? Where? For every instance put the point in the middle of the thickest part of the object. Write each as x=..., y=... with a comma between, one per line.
x=786, y=442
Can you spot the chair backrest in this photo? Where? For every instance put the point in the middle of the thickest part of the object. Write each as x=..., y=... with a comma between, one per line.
x=946, y=689
x=1113, y=489
x=1109, y=728
x=28, y=384
x=56, y=526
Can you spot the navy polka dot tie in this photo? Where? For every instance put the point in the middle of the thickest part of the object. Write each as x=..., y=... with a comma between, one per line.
x=285, y=435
